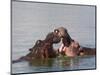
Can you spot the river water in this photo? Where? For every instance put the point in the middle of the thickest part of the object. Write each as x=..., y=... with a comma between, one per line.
x=33, y=21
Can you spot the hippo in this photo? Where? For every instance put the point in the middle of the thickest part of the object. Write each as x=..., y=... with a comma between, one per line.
x=42, y=48
x=71, y=51
x=67, y=41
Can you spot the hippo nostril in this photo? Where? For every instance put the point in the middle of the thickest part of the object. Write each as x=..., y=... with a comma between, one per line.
x=30, y=49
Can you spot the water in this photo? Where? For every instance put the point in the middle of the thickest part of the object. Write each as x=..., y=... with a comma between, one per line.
x=55, y=64
x=33, y=21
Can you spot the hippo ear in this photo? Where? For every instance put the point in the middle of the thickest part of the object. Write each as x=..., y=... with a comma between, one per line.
x=38, y=41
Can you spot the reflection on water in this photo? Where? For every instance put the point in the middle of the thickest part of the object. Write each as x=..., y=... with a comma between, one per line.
x=55, y=64
x=42, y=62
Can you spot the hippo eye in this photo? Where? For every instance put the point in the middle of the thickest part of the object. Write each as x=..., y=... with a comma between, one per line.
x=56, y=31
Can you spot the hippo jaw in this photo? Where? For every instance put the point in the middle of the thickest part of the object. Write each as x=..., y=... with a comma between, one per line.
x=53, y=38
x=56, y=39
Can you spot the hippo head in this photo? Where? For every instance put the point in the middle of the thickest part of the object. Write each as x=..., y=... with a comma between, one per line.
x=52, y=37
x=39, y=43
x=63, y=33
